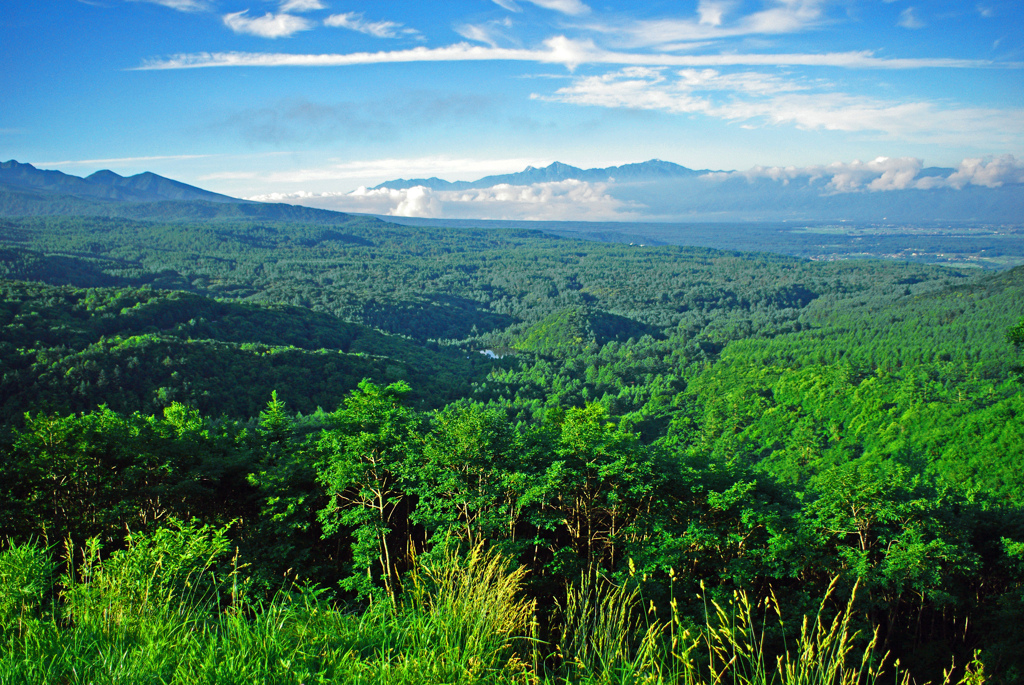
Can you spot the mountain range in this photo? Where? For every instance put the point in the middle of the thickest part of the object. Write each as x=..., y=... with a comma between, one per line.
x=883, y=190
x=652, y=191
x=28, y=191
x=652, y=170
x=103, y=185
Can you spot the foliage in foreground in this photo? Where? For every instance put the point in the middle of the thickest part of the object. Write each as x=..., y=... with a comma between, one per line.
x=171, y=608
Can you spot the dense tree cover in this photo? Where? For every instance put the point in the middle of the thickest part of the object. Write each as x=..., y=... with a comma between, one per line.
x=69, y=349
x=679, y=415
x=445, y=284
x=349, y=496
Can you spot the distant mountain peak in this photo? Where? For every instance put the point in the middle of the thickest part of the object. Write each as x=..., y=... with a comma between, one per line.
x=651, y=170
x=103, y=176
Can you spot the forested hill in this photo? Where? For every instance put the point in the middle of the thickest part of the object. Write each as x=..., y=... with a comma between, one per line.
x=27, y=191
x=105, y=185
x=137, y=349
x=680, y=421
x=17, y=201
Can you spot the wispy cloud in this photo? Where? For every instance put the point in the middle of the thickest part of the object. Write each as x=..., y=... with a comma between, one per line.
x=571, y=7
x=295, y=121
x=477, y=34
x=302, y=5
x=388, y=169
x=268, y=26
x=759, y=99
x=355, y=22
x=180, y=5
x=909, y=19
x=302, y=121
x=712, y=12
x=556, y=50
x=489, y=33
x=714, y=21
x=121, y=160
x=510, y=5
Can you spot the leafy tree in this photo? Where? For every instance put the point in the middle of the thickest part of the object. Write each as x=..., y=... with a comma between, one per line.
x=1015, y=335
x=363, y=464
x=600, y=485
x=471, y=476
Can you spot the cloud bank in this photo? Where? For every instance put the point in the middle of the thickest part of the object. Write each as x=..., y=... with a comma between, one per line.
x=887, y=174
x=562, y=200
x=760, y=191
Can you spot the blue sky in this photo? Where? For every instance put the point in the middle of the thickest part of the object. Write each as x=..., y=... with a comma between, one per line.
x=315, y=97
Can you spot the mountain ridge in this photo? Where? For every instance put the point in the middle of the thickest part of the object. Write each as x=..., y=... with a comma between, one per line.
x=104, y=185
x=28, y=191
x=651, y=170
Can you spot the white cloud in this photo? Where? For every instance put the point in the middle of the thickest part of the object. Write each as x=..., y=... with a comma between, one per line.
x=583, y=201
x=908, y=19
x=477, y=33
x=650, y=88
x=886, y=173
x=713, y=11
x=122, y=160
x=556, y=50
x=571, y=7
x=489, y=33
x=510, y=5
x=779, y=17
x=180, y=5
x=378, y=170
x=882, y=173
x=750, y=82
x=564, y=200
x=355, y=22
x=756, y=98
x=302, y=5
x=991, y=173
x=267, y=26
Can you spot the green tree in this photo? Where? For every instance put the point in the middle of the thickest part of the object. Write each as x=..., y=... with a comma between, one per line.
x=284, y=534
x=599, y=487
x=1015, y=335
x=363, y=465
x=888, y=529
x=470, y=480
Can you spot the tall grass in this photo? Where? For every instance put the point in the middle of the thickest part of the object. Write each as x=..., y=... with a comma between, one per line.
x=171, y=608
x=610, y=638
x=159, y=612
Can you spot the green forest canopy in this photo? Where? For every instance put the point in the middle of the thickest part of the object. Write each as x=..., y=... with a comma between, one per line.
x=742, y=420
